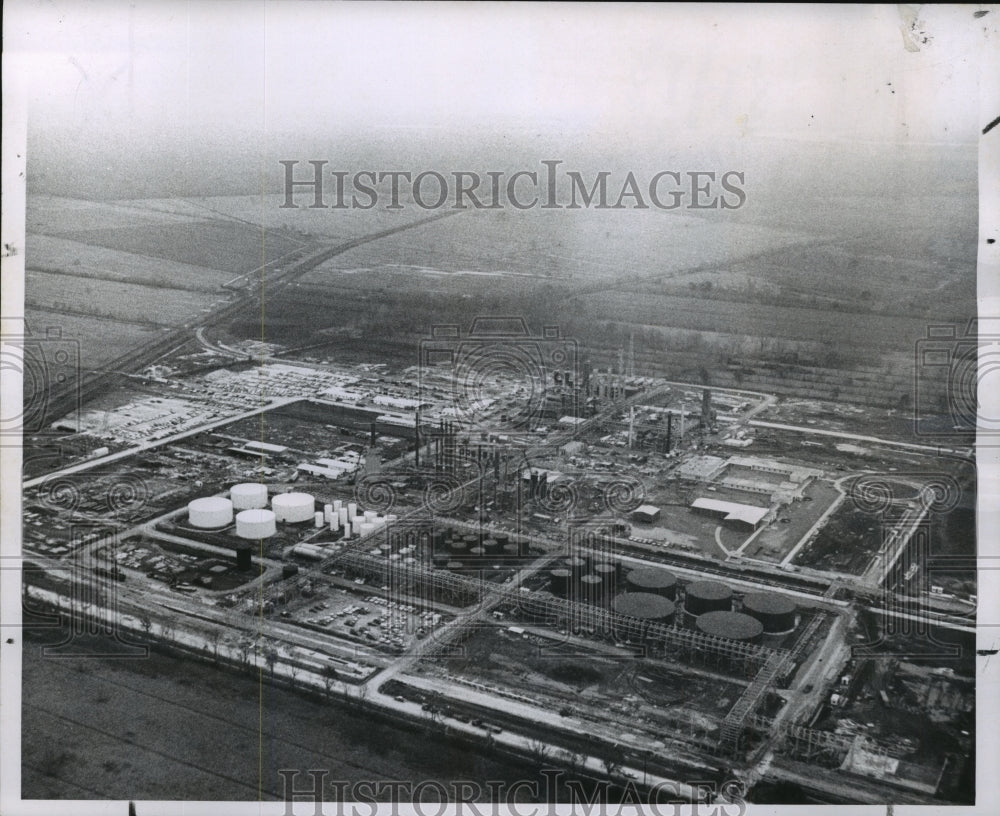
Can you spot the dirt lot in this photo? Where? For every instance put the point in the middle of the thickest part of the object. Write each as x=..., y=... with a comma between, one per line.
x=563, y=671
x=774, y=543
x=846, y=543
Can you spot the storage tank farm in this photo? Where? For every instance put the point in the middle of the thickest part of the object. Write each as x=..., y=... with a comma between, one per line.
x=248, y=496
x=255, y=524
x=643, y=608
x=559, y=581
x=293, y=508
x=701, y=597
x=591, y=588
x=211, y=512
x=607, y=572
x=730, y=625
x=775, y=612
x=652, y=579
x=343, y=521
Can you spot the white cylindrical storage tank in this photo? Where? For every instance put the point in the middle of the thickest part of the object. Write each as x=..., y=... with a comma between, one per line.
x=255, y=523
x=342, y=515
x=356, y=526
x=334, y=524
x=352, y=510
x=248, y=496
x=212, y=511
x=337, y=504
x=318, y=520
x=366, y=527
x=327, y=512
x=370, y=515
x=293, y=507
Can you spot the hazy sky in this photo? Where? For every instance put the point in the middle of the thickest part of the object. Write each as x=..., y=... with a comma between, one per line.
x=183, y=84
x=230, y=67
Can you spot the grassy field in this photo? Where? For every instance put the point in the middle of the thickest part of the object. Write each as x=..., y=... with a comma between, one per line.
x=266, y=210
x=226, y=245
x=168, y=728
x=53, y=214
x=126, y=302
x=586, y=245
x=857, y=331
x=97, y=339
x=49, y=254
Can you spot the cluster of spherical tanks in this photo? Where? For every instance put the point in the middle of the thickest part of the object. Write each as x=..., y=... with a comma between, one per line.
x=654, y=594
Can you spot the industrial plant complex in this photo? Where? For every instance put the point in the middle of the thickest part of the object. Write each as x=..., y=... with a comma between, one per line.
x=520, y=409
x=576, y=568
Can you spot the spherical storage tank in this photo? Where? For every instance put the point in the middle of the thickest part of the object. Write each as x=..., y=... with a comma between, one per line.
x=213, y=511
x=646, y=606
x=651, y=579
x=775, y=612
x=707, y=596
x=731, y=625
x=248, y=496
x=293, y=507
x=255, y=524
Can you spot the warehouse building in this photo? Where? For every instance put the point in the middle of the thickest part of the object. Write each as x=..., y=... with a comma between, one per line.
x=646, y=513
x=740, y=516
